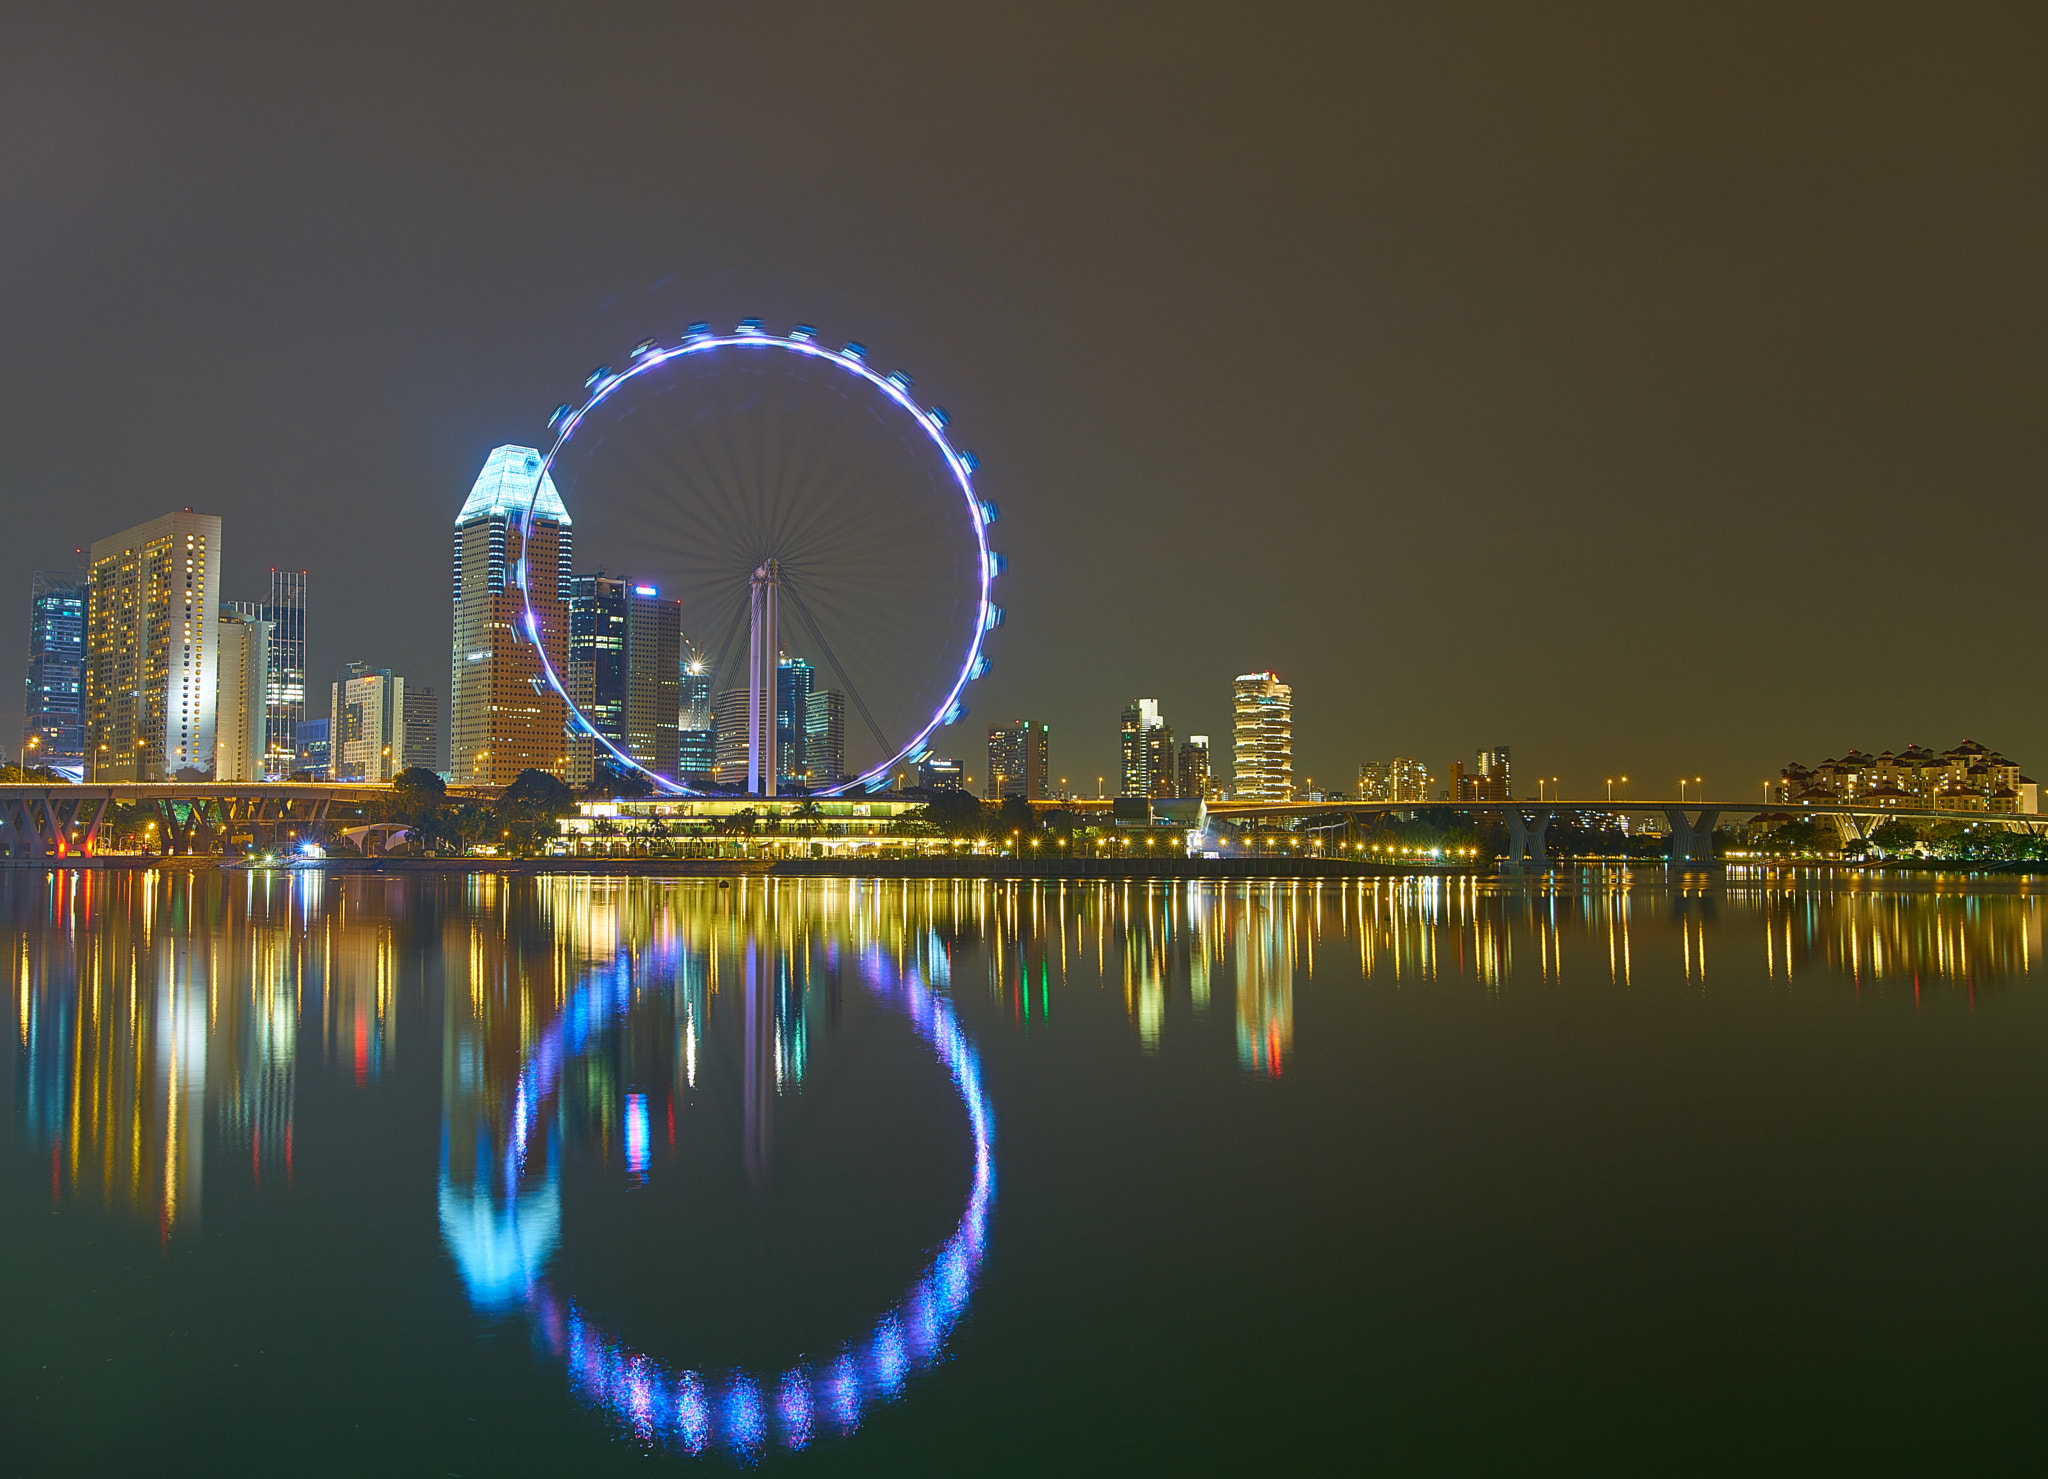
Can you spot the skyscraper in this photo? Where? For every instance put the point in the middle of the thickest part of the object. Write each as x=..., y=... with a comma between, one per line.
x=654, y=661
x=625, y=673
x=795, y=681
x=729, y=728
x=284, y=699
x=1495, y=772
x=151, y=624
x=502, y=718
x=54, y=734
x=241, y=702
x=825, y=738
x=1193, y=777
x=1019, y=761
x=1263, y=761
x=1147, y=742
x=366, y=725
x=696, y=737
x=422, y=727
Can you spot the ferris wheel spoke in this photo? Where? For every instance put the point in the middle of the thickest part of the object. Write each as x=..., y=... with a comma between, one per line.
x=852, y=692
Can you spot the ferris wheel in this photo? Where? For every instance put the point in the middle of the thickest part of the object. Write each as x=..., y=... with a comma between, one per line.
x=817, y=537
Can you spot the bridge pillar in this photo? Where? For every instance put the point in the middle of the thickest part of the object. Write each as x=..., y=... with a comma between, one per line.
x=1692, y=838
x=1526, y=829
x=89, y=843
x=24, y=834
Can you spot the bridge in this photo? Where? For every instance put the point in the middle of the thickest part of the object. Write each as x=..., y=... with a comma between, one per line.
x=1692, y=823
x=52, y=823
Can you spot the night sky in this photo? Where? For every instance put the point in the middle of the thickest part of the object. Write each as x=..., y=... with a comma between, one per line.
x=1652, y=392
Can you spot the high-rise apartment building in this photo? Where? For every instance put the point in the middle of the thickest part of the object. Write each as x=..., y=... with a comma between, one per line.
x=1263, y=739
x=284, y=699
x=1147, y=742
x=1408, y=780
x=241, y=713
x=1495, y=773
x=1374, y=781
x=151, y=624
x=502, y=717
x=366, y=725
x=1487, y=781
x=54, y=734
x=1193, y=776
x=1019, y=761
x=625, y=672
x=422, y=727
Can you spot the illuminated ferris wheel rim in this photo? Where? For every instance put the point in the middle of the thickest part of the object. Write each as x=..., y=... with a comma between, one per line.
x=801, y=340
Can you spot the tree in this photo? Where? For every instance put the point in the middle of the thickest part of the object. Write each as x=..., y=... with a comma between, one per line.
x=416, y=800
x=955, y=814
x=1017, y=816
x=527, y=809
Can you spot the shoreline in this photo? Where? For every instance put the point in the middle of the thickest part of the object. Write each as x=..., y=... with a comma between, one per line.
x=994, y=867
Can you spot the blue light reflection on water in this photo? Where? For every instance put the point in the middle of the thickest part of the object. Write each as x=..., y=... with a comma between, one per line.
x=503, y=1238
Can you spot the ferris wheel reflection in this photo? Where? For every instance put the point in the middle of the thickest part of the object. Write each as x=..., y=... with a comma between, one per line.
x=500, y=1192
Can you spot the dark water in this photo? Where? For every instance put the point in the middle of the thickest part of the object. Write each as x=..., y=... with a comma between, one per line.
x=569, y=1176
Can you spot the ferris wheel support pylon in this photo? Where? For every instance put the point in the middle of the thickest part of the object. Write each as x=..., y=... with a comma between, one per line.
x=763, y=651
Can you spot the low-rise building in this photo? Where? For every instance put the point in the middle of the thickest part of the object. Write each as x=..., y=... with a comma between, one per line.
x=1968, y=778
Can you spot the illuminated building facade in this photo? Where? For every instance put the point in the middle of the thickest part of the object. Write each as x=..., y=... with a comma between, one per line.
x=1019, y=761
x=502, y=717
x=696, y=736
x=825, y=738
x=1263, y=759
x=312, y=759
x=1193, y=777
x=795, y=682
x=1375, y=781
x=284, y=699
x=1487, y=781
x=625, y=673
x=366, y=725
x=1970, y=777
x=935, y=773
x=151, y=627
x=54, y=735
x=1147, y=744
x=1408, y=780
x=422, y=726
x=241, y=704
x=729, y=737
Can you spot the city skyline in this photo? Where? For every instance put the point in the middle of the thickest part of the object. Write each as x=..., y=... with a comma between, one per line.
x=1587, y=374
